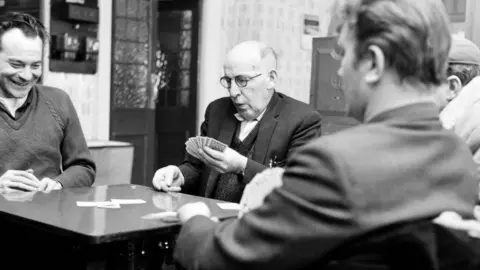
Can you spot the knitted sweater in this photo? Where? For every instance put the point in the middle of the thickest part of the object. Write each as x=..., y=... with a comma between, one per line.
x=46, y=137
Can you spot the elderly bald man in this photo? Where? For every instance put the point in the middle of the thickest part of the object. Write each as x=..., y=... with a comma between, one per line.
x=261, y=127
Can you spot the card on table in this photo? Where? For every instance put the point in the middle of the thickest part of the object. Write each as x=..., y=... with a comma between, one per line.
x=229, y=206
x=167, y=216
x=104, y=204
x=128, y=201
x=109, y=205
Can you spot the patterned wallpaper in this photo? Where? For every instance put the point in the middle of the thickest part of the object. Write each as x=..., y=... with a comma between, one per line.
x=82, y=90
x=279, y=23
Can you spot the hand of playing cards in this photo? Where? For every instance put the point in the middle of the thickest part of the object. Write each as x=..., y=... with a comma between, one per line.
x=261, y=185
x=197, y=142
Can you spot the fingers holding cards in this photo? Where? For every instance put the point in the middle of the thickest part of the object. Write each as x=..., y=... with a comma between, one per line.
x=198, y=142
x=216, y=145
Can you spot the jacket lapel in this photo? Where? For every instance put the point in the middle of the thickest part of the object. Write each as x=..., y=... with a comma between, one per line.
x=266, y=129
x=226, y=134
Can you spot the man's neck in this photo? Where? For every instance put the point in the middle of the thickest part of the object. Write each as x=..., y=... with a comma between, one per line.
x=391, y=96
x=12, y=104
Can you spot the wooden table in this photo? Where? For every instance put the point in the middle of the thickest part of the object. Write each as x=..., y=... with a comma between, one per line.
x=51, y=229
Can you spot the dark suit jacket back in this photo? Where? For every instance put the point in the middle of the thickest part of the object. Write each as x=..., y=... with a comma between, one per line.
x=401, y=166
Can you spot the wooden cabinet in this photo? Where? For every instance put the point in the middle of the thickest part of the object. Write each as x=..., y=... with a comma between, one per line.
x=325, y=88
x=456, y=10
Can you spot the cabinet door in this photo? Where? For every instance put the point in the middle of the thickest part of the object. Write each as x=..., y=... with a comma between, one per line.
x=325, y=90
x=456, y=10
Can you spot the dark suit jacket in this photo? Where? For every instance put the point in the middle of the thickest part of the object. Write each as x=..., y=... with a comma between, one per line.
x=286, y=125
x=401, y=166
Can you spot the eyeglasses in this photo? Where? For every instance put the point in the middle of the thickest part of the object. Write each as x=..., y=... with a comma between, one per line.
x=240, y=80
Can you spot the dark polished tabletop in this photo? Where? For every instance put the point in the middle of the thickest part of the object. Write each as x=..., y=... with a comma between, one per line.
x=57, y=212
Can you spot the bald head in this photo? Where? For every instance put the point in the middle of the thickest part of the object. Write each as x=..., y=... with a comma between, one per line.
x=253, y=53
x=249, y=76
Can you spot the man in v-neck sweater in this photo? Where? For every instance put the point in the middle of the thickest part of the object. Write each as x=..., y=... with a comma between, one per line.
x=42, y=146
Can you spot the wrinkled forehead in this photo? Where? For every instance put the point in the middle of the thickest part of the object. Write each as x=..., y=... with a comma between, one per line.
x=238, y=63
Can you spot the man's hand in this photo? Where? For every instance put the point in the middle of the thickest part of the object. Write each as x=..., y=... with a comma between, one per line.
x=190, y=210
x=19, y=180
x=228, y=161
x=168, y=178
x=47, y=185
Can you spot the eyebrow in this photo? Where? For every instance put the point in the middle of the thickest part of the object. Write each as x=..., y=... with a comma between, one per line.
x=15, y=60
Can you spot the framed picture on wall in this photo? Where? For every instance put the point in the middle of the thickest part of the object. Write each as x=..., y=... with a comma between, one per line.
x=311, y=29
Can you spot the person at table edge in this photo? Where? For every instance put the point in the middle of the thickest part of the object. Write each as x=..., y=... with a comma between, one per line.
x=42, y=146
x=399, y=166
x=261, y=127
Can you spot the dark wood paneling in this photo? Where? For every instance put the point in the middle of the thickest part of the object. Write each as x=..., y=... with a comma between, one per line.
x=175, y=119
x=131, y=117
x=325, y=89
x=129, y=121
x=456, y=10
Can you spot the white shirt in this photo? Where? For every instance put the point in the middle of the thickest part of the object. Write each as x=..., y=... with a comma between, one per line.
x=247, y=125
x=13, y=104
x=461, y=104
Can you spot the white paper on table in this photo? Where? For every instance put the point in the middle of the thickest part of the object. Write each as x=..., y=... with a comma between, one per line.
x=229, y=206
x=128, y=201
x=109, y=205
x=96, y=204
x=164, y=216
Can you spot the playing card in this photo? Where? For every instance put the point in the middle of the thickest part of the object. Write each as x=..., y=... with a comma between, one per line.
x=191, y=147
x=128, y=201
x=90, y=204
x=190, y=142
x=203, y=141
x=229, y=206
x=197, y=142
x=168, y=216
x=216, y=145
x=192, y=150
x=109, y=205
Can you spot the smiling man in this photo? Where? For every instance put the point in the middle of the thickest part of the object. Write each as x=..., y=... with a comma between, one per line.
x=261, y=127
x=42, y=146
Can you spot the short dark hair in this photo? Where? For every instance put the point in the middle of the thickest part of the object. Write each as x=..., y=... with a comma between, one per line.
x=413, y=34
x=28, y=24
x=465, y=72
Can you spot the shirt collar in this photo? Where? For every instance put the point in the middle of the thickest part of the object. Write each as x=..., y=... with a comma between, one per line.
x=24, y=102
x=241, y=119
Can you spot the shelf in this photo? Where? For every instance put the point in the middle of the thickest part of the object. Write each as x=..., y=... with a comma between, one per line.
x=73, y=66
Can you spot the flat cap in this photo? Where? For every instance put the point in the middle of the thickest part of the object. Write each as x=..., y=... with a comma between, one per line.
x=463, y=51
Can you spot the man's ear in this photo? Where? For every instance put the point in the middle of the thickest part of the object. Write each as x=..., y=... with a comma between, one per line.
x=454, y=87
x=272, y=79
x=373, y=64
